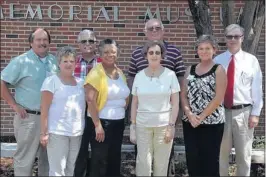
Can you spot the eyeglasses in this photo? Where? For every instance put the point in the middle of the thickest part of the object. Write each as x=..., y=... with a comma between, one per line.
x=88, y=41
x=230, y=37
x=156, y=53
x=156, y=28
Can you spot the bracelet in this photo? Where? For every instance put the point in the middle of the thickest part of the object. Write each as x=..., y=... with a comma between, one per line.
x=171, y=124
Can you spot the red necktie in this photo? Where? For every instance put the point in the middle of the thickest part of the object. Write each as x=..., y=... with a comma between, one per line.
x=229, y=94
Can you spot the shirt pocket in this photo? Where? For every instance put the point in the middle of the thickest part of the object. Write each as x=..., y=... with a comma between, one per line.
x=246, y=78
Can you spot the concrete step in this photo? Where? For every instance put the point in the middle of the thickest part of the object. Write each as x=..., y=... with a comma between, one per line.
x=258, y=155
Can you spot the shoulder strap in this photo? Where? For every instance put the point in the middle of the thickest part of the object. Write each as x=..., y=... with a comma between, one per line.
x=214, y=67
x=192, y=69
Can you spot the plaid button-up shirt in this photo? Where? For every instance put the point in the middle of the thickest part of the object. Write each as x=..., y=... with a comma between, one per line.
x=83, y=67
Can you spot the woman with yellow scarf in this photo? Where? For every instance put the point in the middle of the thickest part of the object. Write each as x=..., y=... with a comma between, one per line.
x=107, y=96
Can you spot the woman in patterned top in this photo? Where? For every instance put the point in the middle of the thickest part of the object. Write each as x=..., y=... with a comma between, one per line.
x=202, y=95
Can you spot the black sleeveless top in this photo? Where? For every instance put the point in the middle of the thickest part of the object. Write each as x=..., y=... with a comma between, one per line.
x=201, y=91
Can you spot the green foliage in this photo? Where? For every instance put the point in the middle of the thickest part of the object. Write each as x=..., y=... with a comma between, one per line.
x=259, y=142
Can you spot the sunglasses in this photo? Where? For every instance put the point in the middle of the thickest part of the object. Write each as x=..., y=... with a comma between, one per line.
x=157, y=28
x=156, y=53
x=87, y=41
x=230, y=37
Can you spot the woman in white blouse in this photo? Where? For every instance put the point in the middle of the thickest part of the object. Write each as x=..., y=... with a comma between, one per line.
x=106, y=94
x=154, y=111
x=62, y=115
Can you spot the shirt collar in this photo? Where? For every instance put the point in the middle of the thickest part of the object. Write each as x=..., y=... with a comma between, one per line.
x=36, y=57
x=237, y=55
x=80, y=58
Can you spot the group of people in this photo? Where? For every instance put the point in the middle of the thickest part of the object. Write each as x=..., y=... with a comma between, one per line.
x=65, y=103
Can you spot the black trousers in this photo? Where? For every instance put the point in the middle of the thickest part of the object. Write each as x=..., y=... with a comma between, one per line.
x=82, y=165
x=106, y=156
x=202, y=146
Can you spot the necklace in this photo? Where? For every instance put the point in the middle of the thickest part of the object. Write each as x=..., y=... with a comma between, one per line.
x=113, y=74
x=154, y=73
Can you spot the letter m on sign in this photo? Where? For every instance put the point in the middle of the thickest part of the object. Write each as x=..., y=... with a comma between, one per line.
x=149, y=14
x=32, y=14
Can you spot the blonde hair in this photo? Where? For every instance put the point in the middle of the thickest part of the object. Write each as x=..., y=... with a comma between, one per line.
x=65, y=51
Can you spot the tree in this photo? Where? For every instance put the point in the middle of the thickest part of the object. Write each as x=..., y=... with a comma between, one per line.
x=200, y=11
x=251, y=18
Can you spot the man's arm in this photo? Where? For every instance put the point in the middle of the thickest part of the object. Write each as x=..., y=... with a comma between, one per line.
x=130, y=81
x=256, y=94
x=180, y=70
x=132, y=71
x=6, y=95
x=180, y=79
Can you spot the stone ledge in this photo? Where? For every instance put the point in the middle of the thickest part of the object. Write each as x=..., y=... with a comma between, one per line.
x=258, y=155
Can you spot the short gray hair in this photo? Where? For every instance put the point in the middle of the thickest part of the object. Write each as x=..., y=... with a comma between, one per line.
x=65, y=51
x=153, y=43
x=108, y=42
x=86, y=32
x=155, y=19
x=207, y=38
x=233, y=26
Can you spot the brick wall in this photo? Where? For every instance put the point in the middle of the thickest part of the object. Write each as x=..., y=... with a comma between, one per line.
x=129, y=33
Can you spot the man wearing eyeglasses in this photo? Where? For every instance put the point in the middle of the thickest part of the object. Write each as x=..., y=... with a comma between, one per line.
x=85, y=62
x=154, y=30
x=243, y=101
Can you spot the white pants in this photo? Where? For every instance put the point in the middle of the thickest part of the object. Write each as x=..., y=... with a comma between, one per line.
x=62, y=153
x=151, y=146
x=237, y=132
x=27, y=134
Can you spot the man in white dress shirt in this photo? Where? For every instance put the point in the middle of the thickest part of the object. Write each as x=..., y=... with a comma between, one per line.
x=243, y=101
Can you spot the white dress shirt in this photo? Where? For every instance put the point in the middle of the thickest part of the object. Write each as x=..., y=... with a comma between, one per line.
x=247, y=81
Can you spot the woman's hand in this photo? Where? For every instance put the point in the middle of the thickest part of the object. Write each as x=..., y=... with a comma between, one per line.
x=169, y=134
x=133, y=137
x=99, y=133
x=44, y=139
x=194, y=120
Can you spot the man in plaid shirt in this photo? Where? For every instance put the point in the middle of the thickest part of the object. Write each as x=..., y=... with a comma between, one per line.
x=84, y=63
x=88, y=58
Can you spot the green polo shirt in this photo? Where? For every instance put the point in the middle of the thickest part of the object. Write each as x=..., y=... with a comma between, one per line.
x=27, y=73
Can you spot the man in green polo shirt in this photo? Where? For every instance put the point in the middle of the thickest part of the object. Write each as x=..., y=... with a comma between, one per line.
x=26, y=73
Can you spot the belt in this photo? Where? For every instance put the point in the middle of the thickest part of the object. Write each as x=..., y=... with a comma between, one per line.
x=241, y=106
x=33, y=112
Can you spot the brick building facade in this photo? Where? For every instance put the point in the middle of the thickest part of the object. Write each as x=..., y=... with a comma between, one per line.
x=120, y=20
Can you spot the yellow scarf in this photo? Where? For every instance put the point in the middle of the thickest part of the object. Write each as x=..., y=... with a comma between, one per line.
x=98, y=79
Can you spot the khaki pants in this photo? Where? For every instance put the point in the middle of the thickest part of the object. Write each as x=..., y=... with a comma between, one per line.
x=62, y=154
x=151, y=146
x=27, y=134
x=237, y=133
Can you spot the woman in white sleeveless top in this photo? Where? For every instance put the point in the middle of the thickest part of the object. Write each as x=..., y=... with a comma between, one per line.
x=107, y=93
